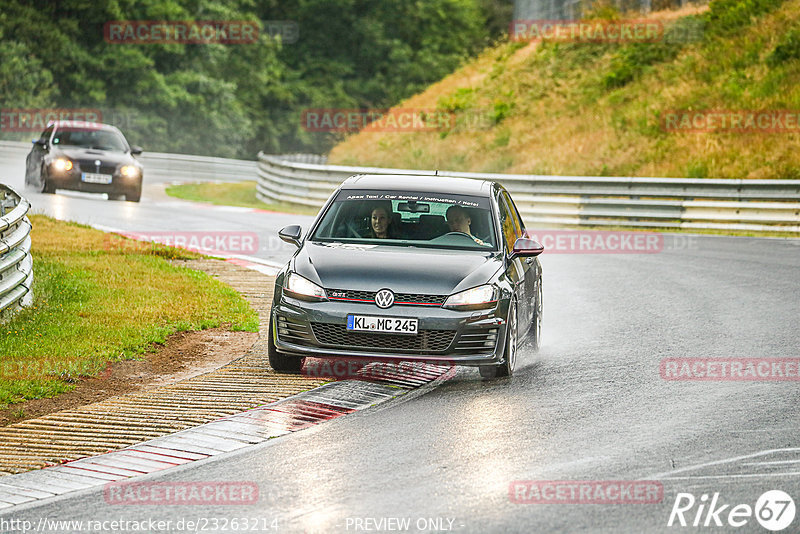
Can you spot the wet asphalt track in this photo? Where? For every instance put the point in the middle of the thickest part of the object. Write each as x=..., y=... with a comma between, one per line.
x=591, y=405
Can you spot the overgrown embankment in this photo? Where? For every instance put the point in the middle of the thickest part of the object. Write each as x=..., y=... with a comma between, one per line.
x=601, y=108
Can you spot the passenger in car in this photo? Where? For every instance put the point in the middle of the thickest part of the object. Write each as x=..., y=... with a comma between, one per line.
x=381, y=224
x=458, y=220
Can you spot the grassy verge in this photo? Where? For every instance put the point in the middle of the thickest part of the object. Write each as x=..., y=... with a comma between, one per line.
x=241, y=194
x=101, y=298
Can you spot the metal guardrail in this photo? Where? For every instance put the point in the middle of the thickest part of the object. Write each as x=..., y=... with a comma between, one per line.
x=172, y=166
x=16, y=263
x=189, y=167
x=304, y=179
x=757, y=205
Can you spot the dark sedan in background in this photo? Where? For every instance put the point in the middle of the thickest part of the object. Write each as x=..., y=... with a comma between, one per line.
x=83, y=156
x=410, y=268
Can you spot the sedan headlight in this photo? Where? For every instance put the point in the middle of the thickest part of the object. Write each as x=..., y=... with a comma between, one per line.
x=303, y=288
x=129, y=171
x=62, y=164
x=473, y=299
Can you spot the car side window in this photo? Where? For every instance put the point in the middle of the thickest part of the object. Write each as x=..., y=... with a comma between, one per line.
x=515, y=215
x=508, y=223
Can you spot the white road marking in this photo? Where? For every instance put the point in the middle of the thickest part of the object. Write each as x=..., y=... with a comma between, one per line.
x=744, y=475
x=668, y=474
x=777, y=462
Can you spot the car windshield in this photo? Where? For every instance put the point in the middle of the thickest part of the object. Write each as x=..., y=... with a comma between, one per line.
x=90, y=138
x=402, y=218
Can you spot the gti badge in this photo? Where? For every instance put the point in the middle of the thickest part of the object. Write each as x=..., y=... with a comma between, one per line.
x=384, y=298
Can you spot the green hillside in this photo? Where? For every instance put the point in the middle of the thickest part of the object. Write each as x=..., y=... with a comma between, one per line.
x=601, y=108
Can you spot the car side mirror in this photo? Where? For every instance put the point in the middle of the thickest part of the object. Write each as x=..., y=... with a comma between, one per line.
x=291, y=234
x=526, y=248
x=136, y=150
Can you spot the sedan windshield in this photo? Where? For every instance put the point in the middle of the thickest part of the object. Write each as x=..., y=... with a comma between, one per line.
x=403, y=218
x=90, y=138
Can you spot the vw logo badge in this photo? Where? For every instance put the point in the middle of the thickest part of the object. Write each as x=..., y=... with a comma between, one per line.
x=384, y=298
x=97, y=162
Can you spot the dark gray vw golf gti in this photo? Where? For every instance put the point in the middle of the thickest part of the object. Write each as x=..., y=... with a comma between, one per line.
x=410, y=268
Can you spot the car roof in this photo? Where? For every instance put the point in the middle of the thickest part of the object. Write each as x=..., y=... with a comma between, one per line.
x=83, y=124
x=425, y=184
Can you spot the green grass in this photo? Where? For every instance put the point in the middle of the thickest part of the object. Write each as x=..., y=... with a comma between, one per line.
x=101, y=298
x=241, y=194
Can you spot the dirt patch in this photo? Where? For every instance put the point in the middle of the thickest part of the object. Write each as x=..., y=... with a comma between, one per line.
x=184, y=355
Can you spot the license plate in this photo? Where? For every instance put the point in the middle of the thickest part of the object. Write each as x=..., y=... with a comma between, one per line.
x=95, y=178
x=382, y=325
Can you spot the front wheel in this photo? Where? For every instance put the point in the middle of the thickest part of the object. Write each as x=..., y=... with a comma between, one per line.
x=510, y=357
x=45, y=185
x=28, y=176
x=536, y=326
x=280, y=362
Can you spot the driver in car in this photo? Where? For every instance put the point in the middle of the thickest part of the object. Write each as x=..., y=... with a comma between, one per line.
x=459, y=221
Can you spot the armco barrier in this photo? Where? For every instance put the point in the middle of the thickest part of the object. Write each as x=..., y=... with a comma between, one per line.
x=758, y=205
x=166, y=166
x=16, y=263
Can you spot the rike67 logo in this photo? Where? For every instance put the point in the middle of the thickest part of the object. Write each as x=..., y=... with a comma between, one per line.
x=774, y=510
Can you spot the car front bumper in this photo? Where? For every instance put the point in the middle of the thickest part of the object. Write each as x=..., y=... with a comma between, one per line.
x=318, y=329
x=72, y=181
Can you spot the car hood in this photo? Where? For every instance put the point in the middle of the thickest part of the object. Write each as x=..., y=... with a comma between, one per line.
x=107, y=157
x=401, y=269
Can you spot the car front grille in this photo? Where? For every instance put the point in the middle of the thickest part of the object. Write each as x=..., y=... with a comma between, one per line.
x=291, y=331
x=477, y=340
x=400, y=299
x=337, y=335
x=87, y=165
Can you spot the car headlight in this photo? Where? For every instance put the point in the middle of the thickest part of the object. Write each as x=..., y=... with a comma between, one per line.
x=129, y=171
x=62, y=164
x=304, y=288
x=473, y=299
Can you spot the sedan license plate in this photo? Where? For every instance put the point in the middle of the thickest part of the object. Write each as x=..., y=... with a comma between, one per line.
x=383, y=325
x=95, y=178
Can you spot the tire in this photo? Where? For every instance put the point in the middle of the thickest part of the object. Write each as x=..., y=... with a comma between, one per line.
x=280, y=362
x=45, y=185
x=510, y=354
x=535, y=335
x=28, y=183
x=134, y=197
